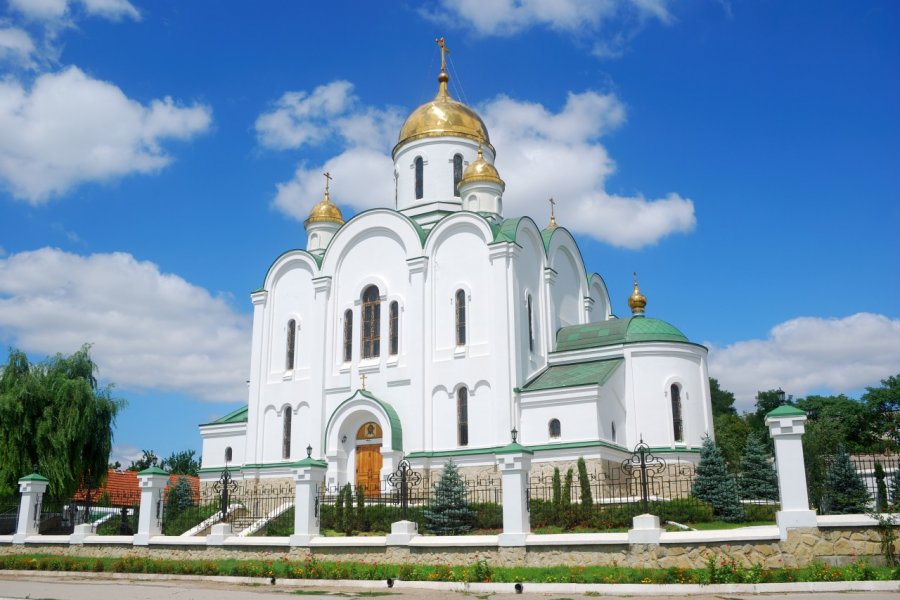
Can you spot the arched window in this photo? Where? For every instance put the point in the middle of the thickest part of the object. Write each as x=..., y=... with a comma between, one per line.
x=612, y=430
x=348, y=335
x=677, y=425
x=394, y=327
x=555, y=429
x=530, y=325
x=286, y=434
x=457, y=173
x=420, y=174
x=371, y=323
x=462, y=417
x=228, y=454
x=291, y=344
x=460, y=317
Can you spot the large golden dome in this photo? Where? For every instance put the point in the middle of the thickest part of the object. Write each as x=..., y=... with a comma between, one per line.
x=325, y=212
x=481, y=170
x=443, y=116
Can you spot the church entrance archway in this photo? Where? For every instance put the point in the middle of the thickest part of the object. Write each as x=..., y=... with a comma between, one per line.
x=368, y=458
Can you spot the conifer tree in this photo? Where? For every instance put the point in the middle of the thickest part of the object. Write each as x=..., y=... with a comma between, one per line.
x=587, y=499
x=844, y=491
x=567, y=488
x=557, y=488
x=361, y=521
x=758, y=478
x=894, y=491
x=881, y=497
x=715, y=485
x=348, y=522
x=449, y=513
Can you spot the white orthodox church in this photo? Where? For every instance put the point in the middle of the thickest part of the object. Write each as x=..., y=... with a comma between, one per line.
x=432, y=329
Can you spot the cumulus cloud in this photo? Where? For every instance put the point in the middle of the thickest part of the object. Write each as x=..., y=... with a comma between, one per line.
x=809, y=354
x=149, y=330
x=58, y=10
x=70, y=128
x=16, y=46
x=508, y=17
x=541, y=153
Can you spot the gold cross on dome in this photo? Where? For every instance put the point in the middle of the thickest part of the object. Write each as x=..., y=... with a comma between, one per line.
x=328, y=179
x=362, y=378
x=552, y=214
x=444, y=51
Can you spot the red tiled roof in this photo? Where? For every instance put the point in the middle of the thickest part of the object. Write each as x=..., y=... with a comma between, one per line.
x=122, y=488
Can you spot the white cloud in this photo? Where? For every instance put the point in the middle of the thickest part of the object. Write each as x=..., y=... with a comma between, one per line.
x=70, y=129
x=57, y=10
x=149, y=330
x=809, y=354
x=507, y=17
x=540, y=154
x=16, y=45
x=125, y=454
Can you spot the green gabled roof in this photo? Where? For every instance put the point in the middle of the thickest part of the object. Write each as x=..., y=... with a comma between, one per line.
x=237, y=416
x=507, y=230
x=595, y=372
x=393, y=417
x=616, y=331
x=546, y=234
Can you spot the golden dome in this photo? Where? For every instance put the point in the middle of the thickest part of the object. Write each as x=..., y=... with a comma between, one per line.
x=443, y=116
x=637, y=301
x=481, y=170
x=325, y=212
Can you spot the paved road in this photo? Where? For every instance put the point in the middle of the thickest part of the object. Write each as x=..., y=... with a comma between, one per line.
x=73, y=588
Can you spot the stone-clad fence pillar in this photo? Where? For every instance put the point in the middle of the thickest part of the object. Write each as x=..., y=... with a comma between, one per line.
x=152, y=482
x=786, y=426
x=309, y=475
x=32, y=488
x=514, y=462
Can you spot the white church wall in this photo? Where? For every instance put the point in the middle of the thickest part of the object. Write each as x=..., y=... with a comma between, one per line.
x=437, y=154
x=529, y=282
x=612, y=412
x=216, y=438
x=568, y=288
x=291, y=298
x=600, y=305
x=575, y=408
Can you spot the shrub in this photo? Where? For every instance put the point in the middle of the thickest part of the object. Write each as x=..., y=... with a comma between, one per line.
x=361, y=523
x=487, y=516
x=587, y=501
x=881, y=501
x=557, y=487
x=567, y=487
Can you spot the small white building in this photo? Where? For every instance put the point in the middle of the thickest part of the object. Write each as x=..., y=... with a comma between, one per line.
x=432, y=329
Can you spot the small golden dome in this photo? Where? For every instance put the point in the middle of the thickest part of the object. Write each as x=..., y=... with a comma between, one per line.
x=325, y=212
x=481, y=170
x=443, y=116
x=637, y=301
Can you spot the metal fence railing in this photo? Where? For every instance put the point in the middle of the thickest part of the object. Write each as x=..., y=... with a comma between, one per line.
x=870, y=484
x=9, y=514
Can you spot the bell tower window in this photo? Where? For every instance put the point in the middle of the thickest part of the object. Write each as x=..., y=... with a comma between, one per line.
x=348, y=335
x=291, y=345
x=677, y=423
x=460, y=318
x=420, y=175
x=457, y=173
x=393, y=326
x=371, y=323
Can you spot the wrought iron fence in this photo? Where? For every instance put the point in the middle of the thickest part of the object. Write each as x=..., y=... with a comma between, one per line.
x=879, y=475
x=9, y=514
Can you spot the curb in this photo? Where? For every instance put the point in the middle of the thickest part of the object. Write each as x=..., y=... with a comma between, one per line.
x=632, y=589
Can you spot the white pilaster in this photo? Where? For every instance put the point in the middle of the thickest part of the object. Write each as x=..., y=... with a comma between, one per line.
x=32, y=488
x=786, y=426
x=514, y=462
x=152, y=482
x=308, y=478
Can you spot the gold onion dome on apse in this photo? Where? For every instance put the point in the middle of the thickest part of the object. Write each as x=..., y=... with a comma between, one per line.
x=637, y=301
x=325, y=211
x=481, y=170
x=443, y=116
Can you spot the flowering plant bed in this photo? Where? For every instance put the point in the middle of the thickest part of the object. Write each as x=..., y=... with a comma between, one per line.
x=719, y=569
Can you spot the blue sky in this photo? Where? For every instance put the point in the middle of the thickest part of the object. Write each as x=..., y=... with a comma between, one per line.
x=155, y=157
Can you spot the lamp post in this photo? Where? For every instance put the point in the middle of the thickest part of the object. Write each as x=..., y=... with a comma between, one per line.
x=781, y=395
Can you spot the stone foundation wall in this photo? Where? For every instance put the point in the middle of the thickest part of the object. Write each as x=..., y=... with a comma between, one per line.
x=836, y=546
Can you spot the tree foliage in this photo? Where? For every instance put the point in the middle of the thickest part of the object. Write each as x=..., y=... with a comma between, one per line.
x=56, y=419
x=845, y=492
x=148, y=460
x=587, y=500
x=731, y=438
x=722, y=400
x=179, y=498
x=715, y=485
x=758, y=479
x=182, y=463
x=449, y=513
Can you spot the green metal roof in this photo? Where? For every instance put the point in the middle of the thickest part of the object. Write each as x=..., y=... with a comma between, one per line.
x=786, y=410
x=595, y=372
x=616, y=331
x=507, y=231
x=393, y=417
x=237, y=416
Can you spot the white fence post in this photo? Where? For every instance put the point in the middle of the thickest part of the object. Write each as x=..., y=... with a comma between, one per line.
x=308, y=477
x=32, y=488
x=786, y=426
x=514, y=462
x=152, y=482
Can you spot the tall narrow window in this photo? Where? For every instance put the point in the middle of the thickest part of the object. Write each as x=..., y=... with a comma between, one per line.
x=420, y=173
x=348, y=336
x=286, y=434
x=555, y=429
x=371, y=323
x=395, y=329
x=677, y=425
x=291, y=344
x=612, y=430
x=460, y=317
x=462, y=417
x=457, y=173
x=530, y=325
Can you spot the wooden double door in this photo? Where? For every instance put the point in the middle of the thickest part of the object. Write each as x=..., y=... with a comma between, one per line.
x=368, y=459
